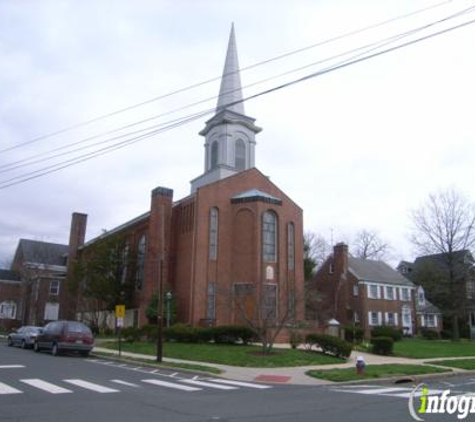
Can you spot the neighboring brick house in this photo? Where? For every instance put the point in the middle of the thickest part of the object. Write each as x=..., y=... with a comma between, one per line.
x=39, y=271
x=365, y=292
x=236, y=235
x=10, y=299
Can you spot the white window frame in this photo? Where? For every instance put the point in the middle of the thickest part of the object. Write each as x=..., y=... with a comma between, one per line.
x=394, y=316
x=386, y=290
x=430, y=320
x=54, y=292
x=370, y=293
x=402, y=296
x=8, y=310
x=356, y=291
x=379, y=318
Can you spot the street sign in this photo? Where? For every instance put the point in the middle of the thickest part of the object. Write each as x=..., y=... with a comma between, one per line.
x=120, y=311
x=120, y=322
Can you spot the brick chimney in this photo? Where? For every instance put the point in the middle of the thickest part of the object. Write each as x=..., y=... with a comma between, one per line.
x=77, y=236
x=158, y=245
x=340, y=258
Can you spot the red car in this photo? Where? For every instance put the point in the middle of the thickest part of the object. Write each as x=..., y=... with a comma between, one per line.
x=65, y=336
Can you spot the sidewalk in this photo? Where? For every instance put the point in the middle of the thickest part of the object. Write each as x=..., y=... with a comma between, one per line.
x=287, y=375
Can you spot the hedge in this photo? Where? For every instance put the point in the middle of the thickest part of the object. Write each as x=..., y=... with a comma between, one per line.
x=330, y=345
x=429, y=334
x=382, y=345
x=353, y=334
x=386, y=331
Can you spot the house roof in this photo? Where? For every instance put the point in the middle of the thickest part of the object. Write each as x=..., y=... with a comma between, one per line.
x=377, y=271
x=43, y=252
x=427, y=308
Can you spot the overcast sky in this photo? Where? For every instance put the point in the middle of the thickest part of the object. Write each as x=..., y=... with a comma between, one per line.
x=356, y=148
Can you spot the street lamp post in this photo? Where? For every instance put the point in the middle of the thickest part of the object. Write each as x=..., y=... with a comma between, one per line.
x=160, y=311
x=169, y=299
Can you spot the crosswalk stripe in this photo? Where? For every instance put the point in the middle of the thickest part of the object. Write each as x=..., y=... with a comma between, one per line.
x=6, y=389
x=418, y=394
x=128, y=384
x=171, y=385
x=210, y=385
x=91, y=386
x=11, y=366
x=46, y=386
x=240, y=383
x=383, y=390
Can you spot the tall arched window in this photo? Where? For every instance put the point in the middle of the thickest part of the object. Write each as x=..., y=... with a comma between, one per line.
x=213, y=233
x=269, y=237
x=240, y=155
x=124, y=264
x=140, y=262
x=214, y=155
x=291, y=246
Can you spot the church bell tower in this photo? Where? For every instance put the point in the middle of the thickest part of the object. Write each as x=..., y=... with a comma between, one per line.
x=229, y=134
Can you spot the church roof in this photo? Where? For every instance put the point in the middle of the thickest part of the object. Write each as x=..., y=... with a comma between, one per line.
x=255, y=195
x=231, y=90
x=45, y=253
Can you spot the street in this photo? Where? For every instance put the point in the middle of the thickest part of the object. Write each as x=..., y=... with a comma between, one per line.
x=40, y=387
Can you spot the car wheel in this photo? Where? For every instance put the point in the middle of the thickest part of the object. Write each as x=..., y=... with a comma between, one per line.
x=55, y=350
x=23, y=344
x=9, y=342
x=36, y=348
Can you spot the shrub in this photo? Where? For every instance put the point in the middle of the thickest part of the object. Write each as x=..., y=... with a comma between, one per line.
x=386, y=331
x=382, y=345
x=149, y=332
x=296, y=339
x=181, y=333
x=330, y=345
x=353, y=334
x=446, y=335
x=130, y=334
x=232, y=334
x=429, y=334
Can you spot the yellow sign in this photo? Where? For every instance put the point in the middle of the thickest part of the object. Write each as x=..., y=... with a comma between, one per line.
x=120, y=311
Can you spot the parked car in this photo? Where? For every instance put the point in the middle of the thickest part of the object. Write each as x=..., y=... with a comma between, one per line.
x=24, y=336
x=65, y=336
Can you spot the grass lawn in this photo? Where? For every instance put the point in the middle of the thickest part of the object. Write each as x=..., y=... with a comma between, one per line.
x=235, y=355
x=374, y=371
x=423, y=349
x=456, y=363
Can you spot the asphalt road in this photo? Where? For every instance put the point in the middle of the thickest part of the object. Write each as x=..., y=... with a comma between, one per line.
x=40, y=387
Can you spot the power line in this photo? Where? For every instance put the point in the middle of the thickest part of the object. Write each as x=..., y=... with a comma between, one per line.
x=366, y=48
x=89, y=156
x=196, y=85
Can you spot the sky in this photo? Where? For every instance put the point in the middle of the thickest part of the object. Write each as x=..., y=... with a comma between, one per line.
x=357, y=148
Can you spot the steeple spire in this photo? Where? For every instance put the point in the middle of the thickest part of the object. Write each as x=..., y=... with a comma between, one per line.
x=231, y=90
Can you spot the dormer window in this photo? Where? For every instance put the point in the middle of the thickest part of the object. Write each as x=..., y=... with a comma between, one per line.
x=421, y=299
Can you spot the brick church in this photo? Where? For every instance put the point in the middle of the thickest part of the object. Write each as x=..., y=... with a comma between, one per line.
x=236, y=234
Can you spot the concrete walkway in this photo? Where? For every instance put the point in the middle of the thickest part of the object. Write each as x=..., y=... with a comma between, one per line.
x=286, y=375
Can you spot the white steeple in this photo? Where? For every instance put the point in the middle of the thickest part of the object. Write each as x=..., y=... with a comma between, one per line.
x=229, y=134
x=230, y=91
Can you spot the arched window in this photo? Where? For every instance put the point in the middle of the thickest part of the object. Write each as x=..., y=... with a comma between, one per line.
x=140, y=262
x=239, y=155
x=214, y=155
x=291, y=246
x=124, y=263
x=269, y=237
x=213, y=233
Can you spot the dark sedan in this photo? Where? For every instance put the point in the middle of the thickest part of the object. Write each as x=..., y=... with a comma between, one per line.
x=24, y=336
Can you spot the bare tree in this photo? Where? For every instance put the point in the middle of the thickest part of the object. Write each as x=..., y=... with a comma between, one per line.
x=367, y=244
x=316, y=250
x=445, y=225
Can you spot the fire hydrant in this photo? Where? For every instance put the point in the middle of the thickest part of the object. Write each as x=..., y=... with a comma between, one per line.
x=360, y=365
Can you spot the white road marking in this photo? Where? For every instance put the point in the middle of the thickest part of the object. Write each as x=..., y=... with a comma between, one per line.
x=6, y=389
x=171, y=385
x=11, y=366
x=128, y=384
x=240, y=383
x=418, y=393
x=91, y=386
x=382, y=390
x=46, y=386
x=208, y=384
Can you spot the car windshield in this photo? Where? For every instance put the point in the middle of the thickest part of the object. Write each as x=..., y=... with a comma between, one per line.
x=36, y=330
x=77, y=327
